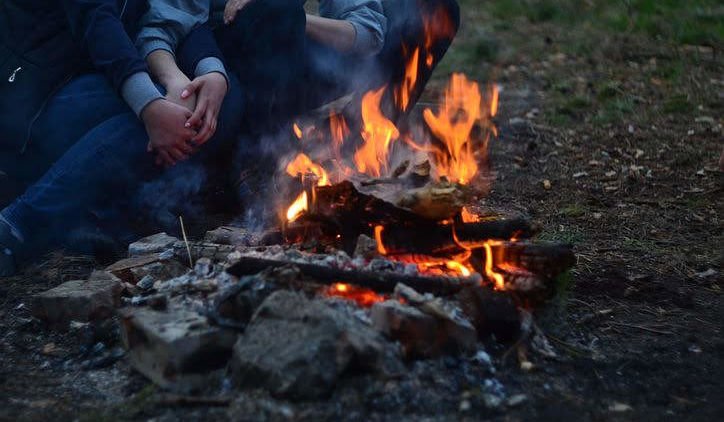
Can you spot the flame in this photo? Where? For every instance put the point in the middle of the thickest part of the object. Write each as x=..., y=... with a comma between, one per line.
x=338, y=129
x=297, y=131
x=489, y=262
x=494, y=101
x=468, y=216
x=378, y=134
x=404, y=91
x=378, y=237
x=458, y=267
x=437, y=25
x=302, y=164
x=299, y=205
x=460, y=109
x=363, y=297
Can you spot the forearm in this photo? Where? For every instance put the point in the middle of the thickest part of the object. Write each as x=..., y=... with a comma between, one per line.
x=337, y=34
x=162, y=65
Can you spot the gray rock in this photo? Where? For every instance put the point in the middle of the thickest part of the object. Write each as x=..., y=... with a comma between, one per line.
x=298, y=348
x=157, y=243
x=366, y=248
x=176, y=349
x=79, y=300
x=226, y=235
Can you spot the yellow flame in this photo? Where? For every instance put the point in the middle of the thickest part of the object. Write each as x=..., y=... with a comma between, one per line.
x=460, y=109
x=456, y=266
x=378, y=134
x=404, y=91
x=496, y=277
x=299, y=206
x=302, y=164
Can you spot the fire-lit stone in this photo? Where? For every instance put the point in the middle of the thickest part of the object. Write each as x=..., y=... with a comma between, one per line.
x=227, y=235
x=297, y=348
x=79, y=300
x=157, y=243
x=132, y=270
x=423, y=334
x=366, y=248
x=175, y=349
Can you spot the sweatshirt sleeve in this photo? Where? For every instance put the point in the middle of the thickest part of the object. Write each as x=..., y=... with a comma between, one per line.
x=97, y=27
x=367, y=17
x=167, y=22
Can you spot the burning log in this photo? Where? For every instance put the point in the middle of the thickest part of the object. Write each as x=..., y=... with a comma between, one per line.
x=378, y=281
x=547, y=260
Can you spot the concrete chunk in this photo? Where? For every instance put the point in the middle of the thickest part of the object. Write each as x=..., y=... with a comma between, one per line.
x=79, y=300
x=132, y=270
x=422, y=334
x=297, y=348
x=157, y=243
x=176, y=349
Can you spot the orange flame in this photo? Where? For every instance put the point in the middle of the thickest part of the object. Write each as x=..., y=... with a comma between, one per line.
x=458, y=267
x=338, y=129
x=460, y=109
x=378, y=134
x=437, y=25
x=378, y=238
x=489, y=263
x=299, y=205
x=302, y=164
x=404, y=91
x=363, y=297
x=469, y=217
x=494, y=101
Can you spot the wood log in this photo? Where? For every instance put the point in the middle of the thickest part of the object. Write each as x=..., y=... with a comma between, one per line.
x=546, y=260
x=383, y=282
x=440, y=240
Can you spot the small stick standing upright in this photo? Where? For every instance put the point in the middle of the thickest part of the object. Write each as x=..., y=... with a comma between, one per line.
x=186, y=241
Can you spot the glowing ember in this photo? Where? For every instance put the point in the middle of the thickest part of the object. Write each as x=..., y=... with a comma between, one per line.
x=404, y=91
x=378, y=134
x=489, y=263
x=460, y=109
x=378, y=237
x=297, y=131
x=363, y=297
x=300, y=205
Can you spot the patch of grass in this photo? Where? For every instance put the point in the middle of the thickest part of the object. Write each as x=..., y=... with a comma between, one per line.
x=571, y=235
x=677, y=104
x=573, y=210
x=614, y=110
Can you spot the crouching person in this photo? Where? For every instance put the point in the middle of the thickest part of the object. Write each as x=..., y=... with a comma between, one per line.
x=83, y=122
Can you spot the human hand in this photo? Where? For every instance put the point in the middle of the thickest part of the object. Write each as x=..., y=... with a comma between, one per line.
x=210, y=90
x=175, y=87
x=168, y=134
x=232, y=8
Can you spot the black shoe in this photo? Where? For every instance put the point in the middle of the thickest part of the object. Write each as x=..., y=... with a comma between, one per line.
x=8, y=265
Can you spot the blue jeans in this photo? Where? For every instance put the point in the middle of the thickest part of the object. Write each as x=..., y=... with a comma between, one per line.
x=103, y=164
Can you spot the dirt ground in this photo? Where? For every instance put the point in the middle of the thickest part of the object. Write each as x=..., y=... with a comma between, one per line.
x=610, y=137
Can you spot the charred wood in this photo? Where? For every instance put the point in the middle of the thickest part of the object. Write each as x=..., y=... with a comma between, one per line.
x=378, y=281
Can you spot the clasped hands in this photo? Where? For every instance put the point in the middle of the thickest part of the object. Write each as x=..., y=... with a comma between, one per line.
x=185, y=119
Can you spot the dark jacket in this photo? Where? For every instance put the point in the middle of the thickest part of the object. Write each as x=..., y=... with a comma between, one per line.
x=51, y=40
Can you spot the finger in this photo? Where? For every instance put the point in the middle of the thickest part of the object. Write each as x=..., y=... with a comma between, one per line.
x=177, y=154
x=198, y=114
x=164, y=158
x=208, y=130
x=230, y=12
x=191, y=88
x=184, y=147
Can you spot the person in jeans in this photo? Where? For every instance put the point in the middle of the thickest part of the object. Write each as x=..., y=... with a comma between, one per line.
x=105, y=162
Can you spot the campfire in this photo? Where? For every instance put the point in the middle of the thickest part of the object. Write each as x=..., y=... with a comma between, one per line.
x=405, y=193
